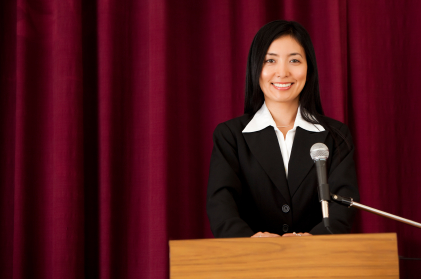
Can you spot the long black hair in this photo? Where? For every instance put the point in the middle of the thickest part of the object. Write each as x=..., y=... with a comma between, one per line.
x=311, y=106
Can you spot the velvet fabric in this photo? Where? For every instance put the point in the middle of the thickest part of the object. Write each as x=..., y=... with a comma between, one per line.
x=107, y=110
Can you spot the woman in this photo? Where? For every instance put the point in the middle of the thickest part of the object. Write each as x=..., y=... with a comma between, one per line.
x=262, y=180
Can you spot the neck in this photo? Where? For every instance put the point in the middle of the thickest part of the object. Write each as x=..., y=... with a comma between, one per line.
x=283, y=113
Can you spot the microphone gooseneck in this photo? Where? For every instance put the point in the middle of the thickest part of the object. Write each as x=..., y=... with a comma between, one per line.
x=319, y=153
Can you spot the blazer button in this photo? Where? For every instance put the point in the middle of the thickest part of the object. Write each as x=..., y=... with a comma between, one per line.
x=285, y=228
x=285, y=208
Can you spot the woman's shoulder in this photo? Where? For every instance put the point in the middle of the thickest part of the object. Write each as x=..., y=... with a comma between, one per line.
x=233, y=126
x=336, y=124
x=237, y=123
x=340, y=131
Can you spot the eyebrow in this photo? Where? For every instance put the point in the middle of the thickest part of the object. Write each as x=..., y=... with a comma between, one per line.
x=291, y=54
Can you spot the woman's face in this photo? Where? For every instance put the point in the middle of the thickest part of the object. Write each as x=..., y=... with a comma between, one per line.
x=284, y=71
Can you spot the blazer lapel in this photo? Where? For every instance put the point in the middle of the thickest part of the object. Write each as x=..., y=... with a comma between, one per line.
x=300, y=161
x=265, y=148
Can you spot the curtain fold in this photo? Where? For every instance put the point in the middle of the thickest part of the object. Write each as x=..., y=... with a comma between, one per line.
x=8, y=17
x=383, y=54
x=107, y=110
x=48, y=139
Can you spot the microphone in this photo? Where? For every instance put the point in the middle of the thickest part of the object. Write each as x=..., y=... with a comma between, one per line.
x=319, y=153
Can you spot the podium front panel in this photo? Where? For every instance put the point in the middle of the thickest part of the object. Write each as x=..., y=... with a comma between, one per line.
x=325, y=256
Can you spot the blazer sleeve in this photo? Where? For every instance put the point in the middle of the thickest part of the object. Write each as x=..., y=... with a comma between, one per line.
x=342, y=180
x=225, y=187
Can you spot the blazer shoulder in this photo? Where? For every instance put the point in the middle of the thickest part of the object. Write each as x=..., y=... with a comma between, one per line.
x=235, y=125
x=336, y=124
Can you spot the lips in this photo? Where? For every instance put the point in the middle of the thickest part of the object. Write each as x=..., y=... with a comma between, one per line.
x=283, y=86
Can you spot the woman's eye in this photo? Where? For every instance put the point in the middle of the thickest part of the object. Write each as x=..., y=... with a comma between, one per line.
x=295, y=61
x=270, y=61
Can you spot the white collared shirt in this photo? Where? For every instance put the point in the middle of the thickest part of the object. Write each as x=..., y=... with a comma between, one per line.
x=263, y=119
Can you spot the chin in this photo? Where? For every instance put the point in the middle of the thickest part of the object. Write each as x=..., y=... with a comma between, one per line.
x=284, y=100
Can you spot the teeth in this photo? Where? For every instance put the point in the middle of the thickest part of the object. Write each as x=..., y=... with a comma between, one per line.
x=282, y=84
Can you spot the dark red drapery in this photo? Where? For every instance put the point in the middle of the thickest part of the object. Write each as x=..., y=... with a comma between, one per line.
x=107, y=110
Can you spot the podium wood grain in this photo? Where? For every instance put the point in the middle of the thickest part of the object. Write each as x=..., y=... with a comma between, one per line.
x=327, y=256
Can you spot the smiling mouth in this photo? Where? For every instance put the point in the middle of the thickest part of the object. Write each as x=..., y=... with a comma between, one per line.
x=282, y=85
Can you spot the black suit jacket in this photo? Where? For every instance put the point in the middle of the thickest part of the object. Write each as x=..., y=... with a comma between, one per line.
x=248, y=190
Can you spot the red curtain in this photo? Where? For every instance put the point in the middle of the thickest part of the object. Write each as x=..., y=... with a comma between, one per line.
x=107, y=110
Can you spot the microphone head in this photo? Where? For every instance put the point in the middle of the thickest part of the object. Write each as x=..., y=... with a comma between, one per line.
x=319, y=151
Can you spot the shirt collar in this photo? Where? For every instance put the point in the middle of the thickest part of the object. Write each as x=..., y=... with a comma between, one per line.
x=263, y=119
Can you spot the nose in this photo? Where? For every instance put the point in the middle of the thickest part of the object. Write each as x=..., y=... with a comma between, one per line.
x=282, y=70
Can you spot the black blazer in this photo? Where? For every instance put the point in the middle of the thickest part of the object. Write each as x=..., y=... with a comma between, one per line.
x=248, y=190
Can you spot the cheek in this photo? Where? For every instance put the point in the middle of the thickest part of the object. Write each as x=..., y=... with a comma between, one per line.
x=265, y=75
x=302, y=75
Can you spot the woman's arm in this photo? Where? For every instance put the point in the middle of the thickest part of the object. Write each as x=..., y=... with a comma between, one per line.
x=224, y=187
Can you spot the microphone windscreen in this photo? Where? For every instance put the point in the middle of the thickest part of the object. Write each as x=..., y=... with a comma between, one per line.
x=319, y=151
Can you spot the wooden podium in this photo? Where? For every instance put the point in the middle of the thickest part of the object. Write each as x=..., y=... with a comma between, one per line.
x=325, y=256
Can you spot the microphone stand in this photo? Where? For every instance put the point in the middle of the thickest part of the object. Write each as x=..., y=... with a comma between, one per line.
x=349, y=202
